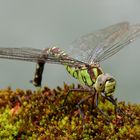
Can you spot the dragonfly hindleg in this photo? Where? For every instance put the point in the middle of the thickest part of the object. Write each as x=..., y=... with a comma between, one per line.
x=81, y=102
x=74, y=90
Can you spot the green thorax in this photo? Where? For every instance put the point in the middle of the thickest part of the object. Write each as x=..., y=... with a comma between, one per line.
x=85, y=74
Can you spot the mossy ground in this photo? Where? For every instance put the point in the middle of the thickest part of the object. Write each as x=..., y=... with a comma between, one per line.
x=31, y=115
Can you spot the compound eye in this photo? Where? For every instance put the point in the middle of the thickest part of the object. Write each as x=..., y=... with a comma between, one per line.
x=110, y=87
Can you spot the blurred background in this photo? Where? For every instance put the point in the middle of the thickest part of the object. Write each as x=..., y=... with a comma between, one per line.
x=44, y=23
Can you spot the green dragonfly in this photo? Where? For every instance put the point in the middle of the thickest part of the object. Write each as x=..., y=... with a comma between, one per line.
x=83, y=57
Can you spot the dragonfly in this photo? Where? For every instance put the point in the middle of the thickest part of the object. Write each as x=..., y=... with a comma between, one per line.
x=83, y=58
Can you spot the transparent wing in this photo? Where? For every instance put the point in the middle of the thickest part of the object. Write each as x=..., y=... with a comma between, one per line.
x=99, y=45
x=25, y=54
x=37, y=55
x=91, y=48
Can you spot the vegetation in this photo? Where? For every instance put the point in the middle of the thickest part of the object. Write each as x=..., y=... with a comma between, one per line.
x=31, y=115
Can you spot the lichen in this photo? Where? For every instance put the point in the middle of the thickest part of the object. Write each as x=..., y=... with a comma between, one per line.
x=41, y=115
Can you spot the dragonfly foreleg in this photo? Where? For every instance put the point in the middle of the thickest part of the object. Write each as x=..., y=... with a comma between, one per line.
x=114, y=102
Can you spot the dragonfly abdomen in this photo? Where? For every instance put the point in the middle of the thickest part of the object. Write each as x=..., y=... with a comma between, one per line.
x=86, y=75
x=38, y=74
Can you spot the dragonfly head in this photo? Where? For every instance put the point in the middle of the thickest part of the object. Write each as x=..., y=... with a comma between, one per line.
x=105, y=83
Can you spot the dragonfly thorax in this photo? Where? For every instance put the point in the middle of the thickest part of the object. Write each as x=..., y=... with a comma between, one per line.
x=105, y=83
x=87, y=75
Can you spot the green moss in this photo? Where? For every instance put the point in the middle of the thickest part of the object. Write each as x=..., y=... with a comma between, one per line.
x=40, y=115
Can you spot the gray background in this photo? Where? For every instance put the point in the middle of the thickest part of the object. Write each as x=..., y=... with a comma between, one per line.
x=44, y=23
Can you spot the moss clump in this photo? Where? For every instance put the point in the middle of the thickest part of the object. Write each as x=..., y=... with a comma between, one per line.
x=39, y=115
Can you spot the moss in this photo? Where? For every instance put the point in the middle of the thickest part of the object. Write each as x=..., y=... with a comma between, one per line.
x=40, y=115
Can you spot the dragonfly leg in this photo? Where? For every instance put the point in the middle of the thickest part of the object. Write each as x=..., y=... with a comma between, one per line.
x=38, y=74
x=81, y=102
x=93, y=94
x=95, y=97
x=74, y=90
x=114, y=102
x=102, y=112
x=117, y=109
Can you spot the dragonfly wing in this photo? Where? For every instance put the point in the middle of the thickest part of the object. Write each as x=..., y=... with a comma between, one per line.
x=115, y=43
x=36, y=55
x=58, y=56
x=99, y=45
x=25, y=54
